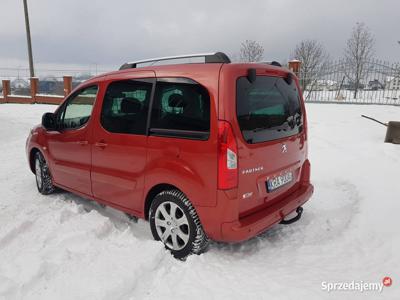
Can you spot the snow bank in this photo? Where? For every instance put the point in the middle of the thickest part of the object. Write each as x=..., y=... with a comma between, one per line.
x=64, y=247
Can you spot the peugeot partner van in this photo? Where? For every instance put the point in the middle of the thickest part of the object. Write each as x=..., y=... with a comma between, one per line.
x=203, y=150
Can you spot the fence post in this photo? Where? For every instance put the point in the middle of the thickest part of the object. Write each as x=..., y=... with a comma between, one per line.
x=34, y=88
x=67, y=85
x=294, y=66
x=6, y=89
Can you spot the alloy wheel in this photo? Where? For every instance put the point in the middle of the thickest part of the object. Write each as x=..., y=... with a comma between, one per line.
x=38, y=171
x=172, y=225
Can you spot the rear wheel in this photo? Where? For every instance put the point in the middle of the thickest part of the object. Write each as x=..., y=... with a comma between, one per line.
x=44, y=182
x=174, y=221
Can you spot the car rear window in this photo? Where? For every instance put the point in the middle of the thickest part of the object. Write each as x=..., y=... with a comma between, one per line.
x=268, y=109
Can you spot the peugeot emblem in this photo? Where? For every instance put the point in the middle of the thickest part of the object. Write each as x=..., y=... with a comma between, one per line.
x=284, y=148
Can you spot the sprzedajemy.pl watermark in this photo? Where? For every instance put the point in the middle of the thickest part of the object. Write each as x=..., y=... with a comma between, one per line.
x=354, y=285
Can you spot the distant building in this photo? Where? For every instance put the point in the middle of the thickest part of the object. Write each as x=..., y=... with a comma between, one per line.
x=19, y=83
x=322, y=85
x=50, y=85
x=392, y=83
x=352, y=86
x=375, y=85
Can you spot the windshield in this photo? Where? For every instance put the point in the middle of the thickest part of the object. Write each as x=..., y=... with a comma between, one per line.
x=268, y=109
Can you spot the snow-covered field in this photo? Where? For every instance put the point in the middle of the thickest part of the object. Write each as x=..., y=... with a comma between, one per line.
x=363, y=96
x=64, y=247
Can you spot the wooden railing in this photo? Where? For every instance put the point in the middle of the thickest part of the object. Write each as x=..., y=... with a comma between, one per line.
x=35, y=96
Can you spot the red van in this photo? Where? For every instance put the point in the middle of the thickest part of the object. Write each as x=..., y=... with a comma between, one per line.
x=203, y=150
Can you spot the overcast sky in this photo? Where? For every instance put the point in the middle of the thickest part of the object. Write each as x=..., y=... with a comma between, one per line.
x=109, y=32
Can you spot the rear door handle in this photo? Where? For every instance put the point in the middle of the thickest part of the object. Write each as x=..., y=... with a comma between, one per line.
x=82, y=143
x=101, y=144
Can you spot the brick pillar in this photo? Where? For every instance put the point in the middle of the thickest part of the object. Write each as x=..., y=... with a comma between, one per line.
x=6, y=89
x=67, y=85
x=294, y=66
x=34, y=88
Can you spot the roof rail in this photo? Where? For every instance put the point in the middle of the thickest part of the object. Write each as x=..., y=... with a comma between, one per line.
x=217, y=57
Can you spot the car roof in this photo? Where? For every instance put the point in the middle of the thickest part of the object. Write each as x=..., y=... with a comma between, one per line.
x=192, y=70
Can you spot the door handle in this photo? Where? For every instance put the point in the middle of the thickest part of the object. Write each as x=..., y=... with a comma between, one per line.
x=101, y=144
x=82, y=143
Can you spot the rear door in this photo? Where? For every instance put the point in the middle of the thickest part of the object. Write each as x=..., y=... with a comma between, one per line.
x=181, y=143
x=271, y=140
x=120, y=142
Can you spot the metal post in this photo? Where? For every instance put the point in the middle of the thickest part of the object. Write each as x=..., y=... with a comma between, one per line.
x=28, y=38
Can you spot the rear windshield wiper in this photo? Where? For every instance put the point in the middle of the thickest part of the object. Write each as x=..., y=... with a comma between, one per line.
x=260, y=128
x=291, y=121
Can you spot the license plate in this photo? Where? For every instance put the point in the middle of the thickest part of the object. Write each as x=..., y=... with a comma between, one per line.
x=278, y=181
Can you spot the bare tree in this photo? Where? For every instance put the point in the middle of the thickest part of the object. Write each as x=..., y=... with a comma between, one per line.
x=251, y=51
x=313, y=57
x=358, y=52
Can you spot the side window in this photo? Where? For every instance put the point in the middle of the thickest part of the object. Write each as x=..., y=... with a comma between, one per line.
x=125, y=106
x=180, y=105
x=78, y=108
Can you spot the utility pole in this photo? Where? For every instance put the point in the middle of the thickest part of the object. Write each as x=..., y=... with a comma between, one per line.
x=28, y=38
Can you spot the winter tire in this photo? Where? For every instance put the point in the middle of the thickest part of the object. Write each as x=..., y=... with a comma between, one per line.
x=44, y=181
x=174, y=221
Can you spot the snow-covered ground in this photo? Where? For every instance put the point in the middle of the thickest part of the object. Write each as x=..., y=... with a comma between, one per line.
x=64, y=247
x=347, y=96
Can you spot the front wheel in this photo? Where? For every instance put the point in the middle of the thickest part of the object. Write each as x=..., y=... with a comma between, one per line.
x=174, y=221
x=44, y=182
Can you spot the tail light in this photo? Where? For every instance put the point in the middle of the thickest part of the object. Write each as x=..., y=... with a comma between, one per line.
x=227, y=157
x=305, y=173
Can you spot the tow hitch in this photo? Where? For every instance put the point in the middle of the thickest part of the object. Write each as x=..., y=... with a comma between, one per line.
x=299, y=211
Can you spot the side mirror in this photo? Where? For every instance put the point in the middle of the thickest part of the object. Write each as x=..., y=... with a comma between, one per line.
x=49, y=121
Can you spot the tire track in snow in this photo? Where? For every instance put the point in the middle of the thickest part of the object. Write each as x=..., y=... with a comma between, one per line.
x=14, y=233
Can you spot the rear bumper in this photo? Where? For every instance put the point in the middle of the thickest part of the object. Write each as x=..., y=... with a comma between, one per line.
x=258, y=222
